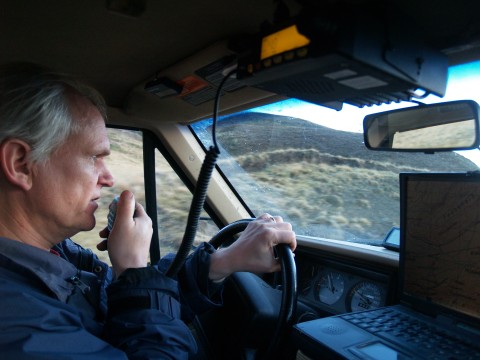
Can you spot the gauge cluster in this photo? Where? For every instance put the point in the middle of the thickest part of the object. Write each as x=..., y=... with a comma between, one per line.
x=337, y=288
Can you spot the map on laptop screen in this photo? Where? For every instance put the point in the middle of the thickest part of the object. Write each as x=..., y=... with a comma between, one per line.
x=442, y=233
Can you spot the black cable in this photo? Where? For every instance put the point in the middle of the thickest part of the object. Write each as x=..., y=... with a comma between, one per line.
x=196, y=207
x=216, y=107
x=200, y=192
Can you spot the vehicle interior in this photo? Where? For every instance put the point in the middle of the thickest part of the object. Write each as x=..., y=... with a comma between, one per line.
x=220, y=111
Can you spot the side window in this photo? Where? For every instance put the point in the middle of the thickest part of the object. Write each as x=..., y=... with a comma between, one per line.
x=173, y=197
x=173, y=206
x=126, y=165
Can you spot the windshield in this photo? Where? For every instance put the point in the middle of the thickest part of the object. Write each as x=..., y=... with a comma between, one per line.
x=308, y=163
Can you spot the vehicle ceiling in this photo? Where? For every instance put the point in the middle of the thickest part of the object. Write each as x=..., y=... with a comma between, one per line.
x=116, y=52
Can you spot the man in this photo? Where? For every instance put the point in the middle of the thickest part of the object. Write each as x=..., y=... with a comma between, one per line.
x=58, y=299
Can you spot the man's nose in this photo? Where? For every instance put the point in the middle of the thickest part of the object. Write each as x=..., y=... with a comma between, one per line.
x=106, y=178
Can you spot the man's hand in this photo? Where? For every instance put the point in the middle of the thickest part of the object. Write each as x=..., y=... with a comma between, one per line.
x=253, y=250
x=129, y=240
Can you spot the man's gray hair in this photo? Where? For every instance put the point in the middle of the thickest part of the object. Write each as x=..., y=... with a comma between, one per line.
x=34, y=107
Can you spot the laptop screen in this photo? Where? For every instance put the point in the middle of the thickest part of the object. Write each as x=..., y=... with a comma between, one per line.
x=440, y=240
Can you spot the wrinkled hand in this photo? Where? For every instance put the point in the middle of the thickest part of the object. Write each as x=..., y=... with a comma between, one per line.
x=253, y=250
x=129, y=240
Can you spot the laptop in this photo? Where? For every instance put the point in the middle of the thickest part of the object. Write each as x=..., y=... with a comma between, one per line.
x=438, y=315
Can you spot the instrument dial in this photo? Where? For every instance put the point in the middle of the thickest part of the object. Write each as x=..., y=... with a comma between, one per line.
x=330, y=286
x=364, y=296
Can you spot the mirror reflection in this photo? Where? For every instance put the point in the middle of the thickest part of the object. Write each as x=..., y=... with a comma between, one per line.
x=435, y=127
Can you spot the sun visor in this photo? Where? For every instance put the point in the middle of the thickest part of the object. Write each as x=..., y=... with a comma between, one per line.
x=361, y=64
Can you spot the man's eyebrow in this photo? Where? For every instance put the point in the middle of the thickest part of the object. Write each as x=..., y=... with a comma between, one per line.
x=103, y=152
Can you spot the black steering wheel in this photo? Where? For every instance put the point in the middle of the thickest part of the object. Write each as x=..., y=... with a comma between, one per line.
x=288, y=302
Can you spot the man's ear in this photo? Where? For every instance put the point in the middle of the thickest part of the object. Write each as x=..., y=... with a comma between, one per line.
x=14, y=163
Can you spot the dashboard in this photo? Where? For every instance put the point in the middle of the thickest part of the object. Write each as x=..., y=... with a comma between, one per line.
x=336, y=286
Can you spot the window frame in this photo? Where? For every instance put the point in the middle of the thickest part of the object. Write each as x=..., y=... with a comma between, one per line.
x=150, y=143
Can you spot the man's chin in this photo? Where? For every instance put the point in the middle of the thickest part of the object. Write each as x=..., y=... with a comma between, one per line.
x=91, y=226
x=88, y=226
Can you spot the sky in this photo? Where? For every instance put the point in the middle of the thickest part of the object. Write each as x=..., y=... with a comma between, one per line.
x=463, y=84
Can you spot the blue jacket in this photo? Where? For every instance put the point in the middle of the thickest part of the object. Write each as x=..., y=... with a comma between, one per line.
x=64, y=305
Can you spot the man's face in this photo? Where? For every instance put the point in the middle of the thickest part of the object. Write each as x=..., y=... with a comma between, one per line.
x=67, y=187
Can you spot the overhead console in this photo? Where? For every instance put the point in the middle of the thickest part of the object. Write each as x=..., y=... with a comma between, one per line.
x=330, y=57
x=358, y=59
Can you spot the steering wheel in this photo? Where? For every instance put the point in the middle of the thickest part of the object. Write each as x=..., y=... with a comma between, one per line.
x=288, y=302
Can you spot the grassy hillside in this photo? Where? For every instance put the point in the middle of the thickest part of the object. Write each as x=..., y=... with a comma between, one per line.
x=325, y=181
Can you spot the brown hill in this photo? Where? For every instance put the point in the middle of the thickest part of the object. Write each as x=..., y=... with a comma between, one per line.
x=325, y=181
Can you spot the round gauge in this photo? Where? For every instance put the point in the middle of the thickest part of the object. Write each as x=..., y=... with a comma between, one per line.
x=364, y=296
x=330, y=286
x=307, y=284
x=305, y=289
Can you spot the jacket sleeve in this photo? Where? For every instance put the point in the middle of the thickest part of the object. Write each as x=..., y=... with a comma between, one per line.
x=159, y=317
x=144, y=316
x=197, y=292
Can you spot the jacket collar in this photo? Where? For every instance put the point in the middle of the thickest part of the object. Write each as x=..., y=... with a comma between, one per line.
x=49, y=268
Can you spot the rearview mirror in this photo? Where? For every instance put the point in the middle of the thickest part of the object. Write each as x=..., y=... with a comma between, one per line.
x=428, y=128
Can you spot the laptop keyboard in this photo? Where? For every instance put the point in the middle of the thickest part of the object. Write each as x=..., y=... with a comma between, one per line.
x=418, y=336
